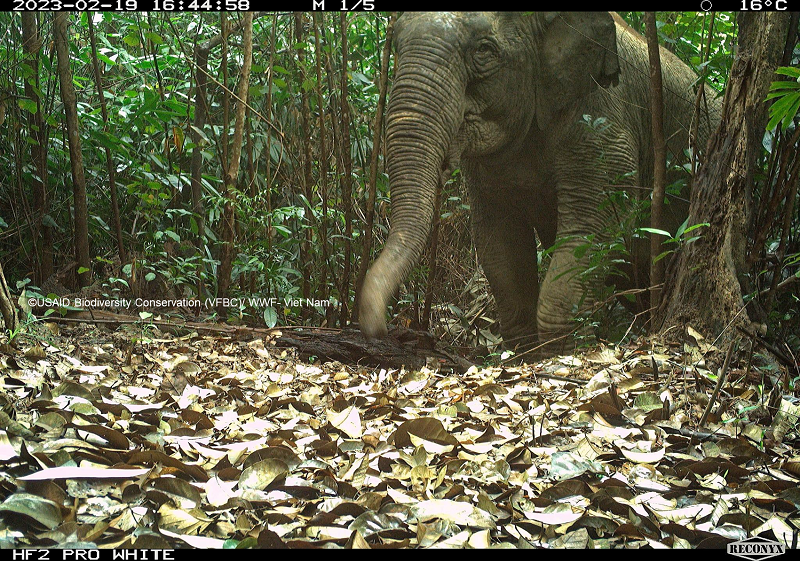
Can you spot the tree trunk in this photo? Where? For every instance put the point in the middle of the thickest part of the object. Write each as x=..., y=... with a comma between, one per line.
x=201, y=52
x=323, y=158
x=305, y=245
x=268, y=173
x=196, y=167
x=346, y=175
x=42, y=232
x=8, y=311
x=232, y=174
x=659, y=162
x=704, y=291
x=110, y=168
x=81, y=241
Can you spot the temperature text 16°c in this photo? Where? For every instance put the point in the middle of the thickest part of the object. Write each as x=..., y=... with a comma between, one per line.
x=758, y=5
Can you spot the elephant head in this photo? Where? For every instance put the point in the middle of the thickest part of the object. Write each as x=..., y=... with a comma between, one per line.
x=472, y=84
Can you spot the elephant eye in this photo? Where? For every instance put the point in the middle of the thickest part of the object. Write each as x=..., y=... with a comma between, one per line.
x=486, y=53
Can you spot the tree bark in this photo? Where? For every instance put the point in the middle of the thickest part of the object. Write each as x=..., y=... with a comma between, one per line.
x=305, y=246
x=268, y=173
x=659, y=162
x=81, y=240
x=8, y=311
x=201, y=52
x=705, y=292
x=323, y=157
x=235, y=158
x=110, y=169
x=346, y=175
x=42, y=232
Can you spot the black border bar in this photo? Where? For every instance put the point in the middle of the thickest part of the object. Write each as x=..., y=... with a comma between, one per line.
x=398, y=5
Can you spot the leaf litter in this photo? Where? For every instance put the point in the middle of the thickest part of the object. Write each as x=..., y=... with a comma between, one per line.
x=212, y=442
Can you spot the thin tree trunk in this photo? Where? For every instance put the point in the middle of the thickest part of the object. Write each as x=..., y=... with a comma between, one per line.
x=160, y=81
x=788, y=215
x=8, y=310
x=659, y=162
x=81, y=241
x=196, y=165
x=201, y=53
x=373, y=162
x=268, y=174
x=112, y=182
x=248, y=283
x=42, y=232
x=346, y=174
x=323, y=159
x=705, y=291
x=305, y=246
x=765, y=215
x=226, y=93
x=235, y=157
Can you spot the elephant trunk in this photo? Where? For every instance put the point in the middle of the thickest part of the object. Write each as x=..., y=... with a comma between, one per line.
x=424, y=114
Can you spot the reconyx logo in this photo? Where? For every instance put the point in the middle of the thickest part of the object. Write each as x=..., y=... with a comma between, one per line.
x=755, y=548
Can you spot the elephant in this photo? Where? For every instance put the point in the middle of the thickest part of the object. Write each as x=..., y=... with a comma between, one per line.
x=508, y=95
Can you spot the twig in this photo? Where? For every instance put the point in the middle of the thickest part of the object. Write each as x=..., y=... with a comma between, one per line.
x=720, y=380
x=749, y=358
x=778, y=353
x=544, y=376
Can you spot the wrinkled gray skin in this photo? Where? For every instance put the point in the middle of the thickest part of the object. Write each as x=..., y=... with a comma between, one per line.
x=506, y=92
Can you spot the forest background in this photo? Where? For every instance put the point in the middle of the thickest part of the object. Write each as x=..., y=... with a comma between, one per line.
x=173, y=189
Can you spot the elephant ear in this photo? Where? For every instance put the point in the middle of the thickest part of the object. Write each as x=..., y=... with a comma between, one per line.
x=578, y=54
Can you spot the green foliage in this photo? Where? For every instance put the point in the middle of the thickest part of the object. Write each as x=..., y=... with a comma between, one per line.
x=687, y=35
x=786, y=96
x=678, y=239
x=147, y=61
x=147, y=66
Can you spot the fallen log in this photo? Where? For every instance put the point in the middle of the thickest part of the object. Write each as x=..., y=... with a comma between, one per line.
x=402, y=348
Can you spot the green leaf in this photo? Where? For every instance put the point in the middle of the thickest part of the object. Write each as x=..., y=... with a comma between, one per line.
x=150, y=276
x=83, y=270
x=662, y=255
x=581, y=250
x=155, y=38
x=784, y=110
x=108, y=60
x=27, y=105
x=695, y=227
x=655, y=231
x=778, y=85
x=788, y=71
x=270, y=317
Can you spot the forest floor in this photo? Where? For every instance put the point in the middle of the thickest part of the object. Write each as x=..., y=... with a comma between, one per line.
x=131, y=439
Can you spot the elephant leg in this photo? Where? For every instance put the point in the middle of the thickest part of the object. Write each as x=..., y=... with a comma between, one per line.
x=506, y=247
x=562, y=292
